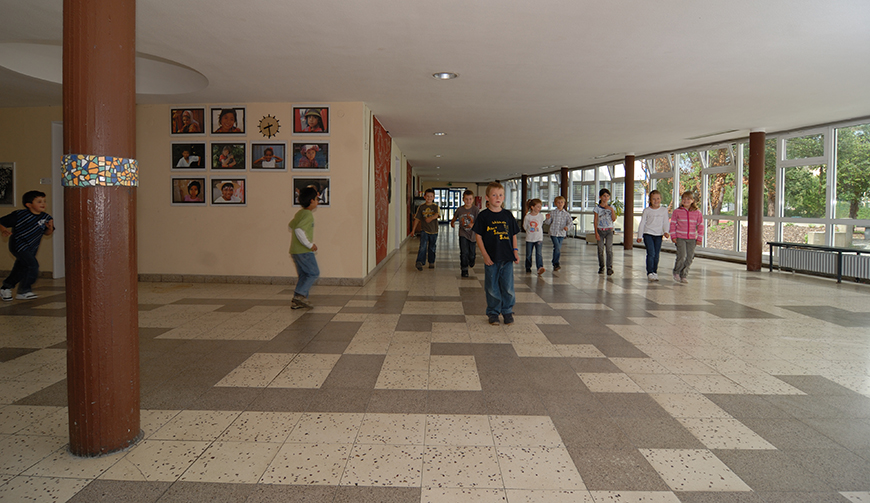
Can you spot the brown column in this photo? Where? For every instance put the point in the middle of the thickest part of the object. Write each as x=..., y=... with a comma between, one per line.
x=755, y=224
x=524, y=191
x=564, y=185
x=628, y=216
x=99, y=114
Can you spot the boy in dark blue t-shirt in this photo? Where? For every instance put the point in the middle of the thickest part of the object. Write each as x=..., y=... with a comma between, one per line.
x=497, y=230
x=26, y=228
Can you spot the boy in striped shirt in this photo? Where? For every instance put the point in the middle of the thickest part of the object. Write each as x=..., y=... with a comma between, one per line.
x=25, y=229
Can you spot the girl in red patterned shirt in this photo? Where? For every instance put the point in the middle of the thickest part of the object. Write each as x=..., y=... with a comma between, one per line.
x=687, y=230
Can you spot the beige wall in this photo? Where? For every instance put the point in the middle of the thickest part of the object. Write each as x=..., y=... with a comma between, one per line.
x=25, y=139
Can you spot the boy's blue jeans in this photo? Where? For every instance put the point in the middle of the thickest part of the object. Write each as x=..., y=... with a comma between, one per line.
x=467, y=253
x=499, y=287
x=539, y=256
x=653, y=250
x=307, y=270
x=427, y=243
x=557, y=249
x=25, y=271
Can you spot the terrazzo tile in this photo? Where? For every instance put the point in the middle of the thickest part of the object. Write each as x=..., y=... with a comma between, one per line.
x=458, y=430
x=403, y=380
x=609, y=383
x=307, y=464
x=392, y=429
x=196, y=425
x=61, y=463
x=688, y=405
x=232, y=462
x=41, y=488
x=529, y=431
x=548, y=496
x=270, y=427
x=322, y=428
x=461, y=466
x=464, y=494
x=724, y=433
x=384, y=465
x=17, y=417
x=156, y=460
x=634, y=497
x=538, y=468
x=693, y=470
x=21, y=452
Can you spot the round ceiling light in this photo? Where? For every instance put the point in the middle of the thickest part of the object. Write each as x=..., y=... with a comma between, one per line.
x=439, y=133
x=445, y=75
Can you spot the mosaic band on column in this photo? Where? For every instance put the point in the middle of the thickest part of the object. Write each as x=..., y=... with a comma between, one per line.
x=99, y=171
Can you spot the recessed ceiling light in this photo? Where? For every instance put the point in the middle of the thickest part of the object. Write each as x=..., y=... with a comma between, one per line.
x=439, y=133
x=437, y=155
x=437, y=167
x=445, y=75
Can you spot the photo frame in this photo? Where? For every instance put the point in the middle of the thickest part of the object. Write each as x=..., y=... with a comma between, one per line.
x=271, y=156
x=310, y=156
x=302, y=124
x=228, y=191
x=195, y=158
x=228, y=156
x=187, y=121
x=221, y=123
x=321, y=182
x=188, y=191
x=7, y=184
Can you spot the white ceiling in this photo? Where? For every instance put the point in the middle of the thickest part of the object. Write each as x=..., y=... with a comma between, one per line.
x=543, y=83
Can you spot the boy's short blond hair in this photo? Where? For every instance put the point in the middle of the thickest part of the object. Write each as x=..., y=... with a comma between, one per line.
x=492, y=186
x=467, y=192
x=559, y=198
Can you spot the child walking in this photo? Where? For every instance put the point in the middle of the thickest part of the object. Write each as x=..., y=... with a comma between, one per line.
x=427, y=219
x=302, y=247
x=653, y=224
x=496, y=232
x=533, y=223
x=603, y=220
x=559, y=221
x=466, y=215
x=26, y=228
x=687, y=230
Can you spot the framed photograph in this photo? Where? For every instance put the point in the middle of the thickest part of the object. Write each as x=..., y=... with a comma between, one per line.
x=269, y=156
x=188, y=156
x=228, y=191
x=228, y=156
x=185, y=121
x=7, y=184
x=311, y=155
x=321, y=183
x=228, y=120
x=311, y=120
x=187, y=191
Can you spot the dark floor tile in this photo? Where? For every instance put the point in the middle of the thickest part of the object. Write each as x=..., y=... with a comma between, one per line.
x=282, y=400
x=355, y=371
x=789, y=433
x=52, y=396
x=536, y=364
x=849, y=433
x=572, y=404
x=347, y=494
x=590, y=433
x=563, y=334
x=657, y=433
x=636, y=405
x=592, y=365
x=342, y=331
x=504, y=381
x=769, y=470
x=494, y=351
x=186, y=492
x=326, y=347
x=169, y=396
x=514, y=403
x=838, y=468
x=801, y=406
x=340, y=400
x=451, y=348
x=729, y=309
x=741, y=406
x=719, y=497
x=398, y=401
x=455, y=402
x=851, y=406
x=620, y=350
x=616, y=470
x=817, y=385
x=116, y=491
x=292, y=494
x=834, y=315
x=803, y=497
x=555, y=381
x=226, y=399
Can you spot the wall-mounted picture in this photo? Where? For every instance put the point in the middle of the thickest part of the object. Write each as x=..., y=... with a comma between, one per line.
x=228, y=156
x=7, y=184
x=311, y=155
x=228, y=191
x=269, y=156
x=320, y=183
x=228, y=120
x=310, y=120
x=188, y=121
x=188, y=191
x=188, y=155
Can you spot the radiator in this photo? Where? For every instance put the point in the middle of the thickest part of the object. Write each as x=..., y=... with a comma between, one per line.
x=856, y=266
x=816, y=261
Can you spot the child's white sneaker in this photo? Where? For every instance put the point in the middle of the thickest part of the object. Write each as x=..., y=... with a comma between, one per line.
x=677, y=277
x=6, y=294
x=651, y=276
x=684, y=280
x=655, y=276
x=26, y=296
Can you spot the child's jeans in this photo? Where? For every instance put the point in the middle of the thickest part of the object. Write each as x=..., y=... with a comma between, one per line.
x=685, y=255
x=427, y=243
x=557, y=249
x=307, y=270
x=25, y=270
x=539, y=257
x=653, y=250
x=467, y=253
x=605, y=241
x=499, y=287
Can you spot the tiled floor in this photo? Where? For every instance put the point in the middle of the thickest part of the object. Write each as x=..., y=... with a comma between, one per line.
x=735, y=387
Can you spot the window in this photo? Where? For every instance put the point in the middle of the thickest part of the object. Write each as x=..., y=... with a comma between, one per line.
x=805, y=147
x=853, y=173
x=769, y=204
x=804, y=191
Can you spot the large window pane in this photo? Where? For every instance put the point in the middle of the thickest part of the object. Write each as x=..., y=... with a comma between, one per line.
x=720, y=199
x=813, y=234
x=805, y=191
x=576, y=195
x=720, y=234
x=805, y=147
x=719, y=157
x=852, y=236
x=690, y=174
x=768, y=234
x=590, y=197
x=663, y=165
x=769, y=203
x=666, y=187
x=853, y=172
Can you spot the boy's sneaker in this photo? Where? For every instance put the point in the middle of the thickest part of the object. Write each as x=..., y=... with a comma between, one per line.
x=677, y=278
x=655, y=276
x=464, y=274
x=493, y=319
x=600, y=270
x=684, y=280
x=651, y=277
x=26, y=296
x=6, y=294
x=540, y=270
x=295, y=305
x=431, y=265
x=509, y=319
x=302, y=301
x=528, y=271
x=556, y=268
x=419, y=266
x=610, y=272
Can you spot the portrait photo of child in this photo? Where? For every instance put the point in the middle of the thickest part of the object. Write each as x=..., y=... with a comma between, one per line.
x=320, y=183
x=268, y=156
x=228, y=120
x=188, y=156
x=188, y=191
x=185, y=121
x=228, y=156
x=313, y=120
x=228, y=191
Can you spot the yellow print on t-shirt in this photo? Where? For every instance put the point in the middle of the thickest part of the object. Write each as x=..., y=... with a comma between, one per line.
x=429, y=211
x=498, y=228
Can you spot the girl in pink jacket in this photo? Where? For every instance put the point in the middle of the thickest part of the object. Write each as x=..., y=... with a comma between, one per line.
x=687, y=229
